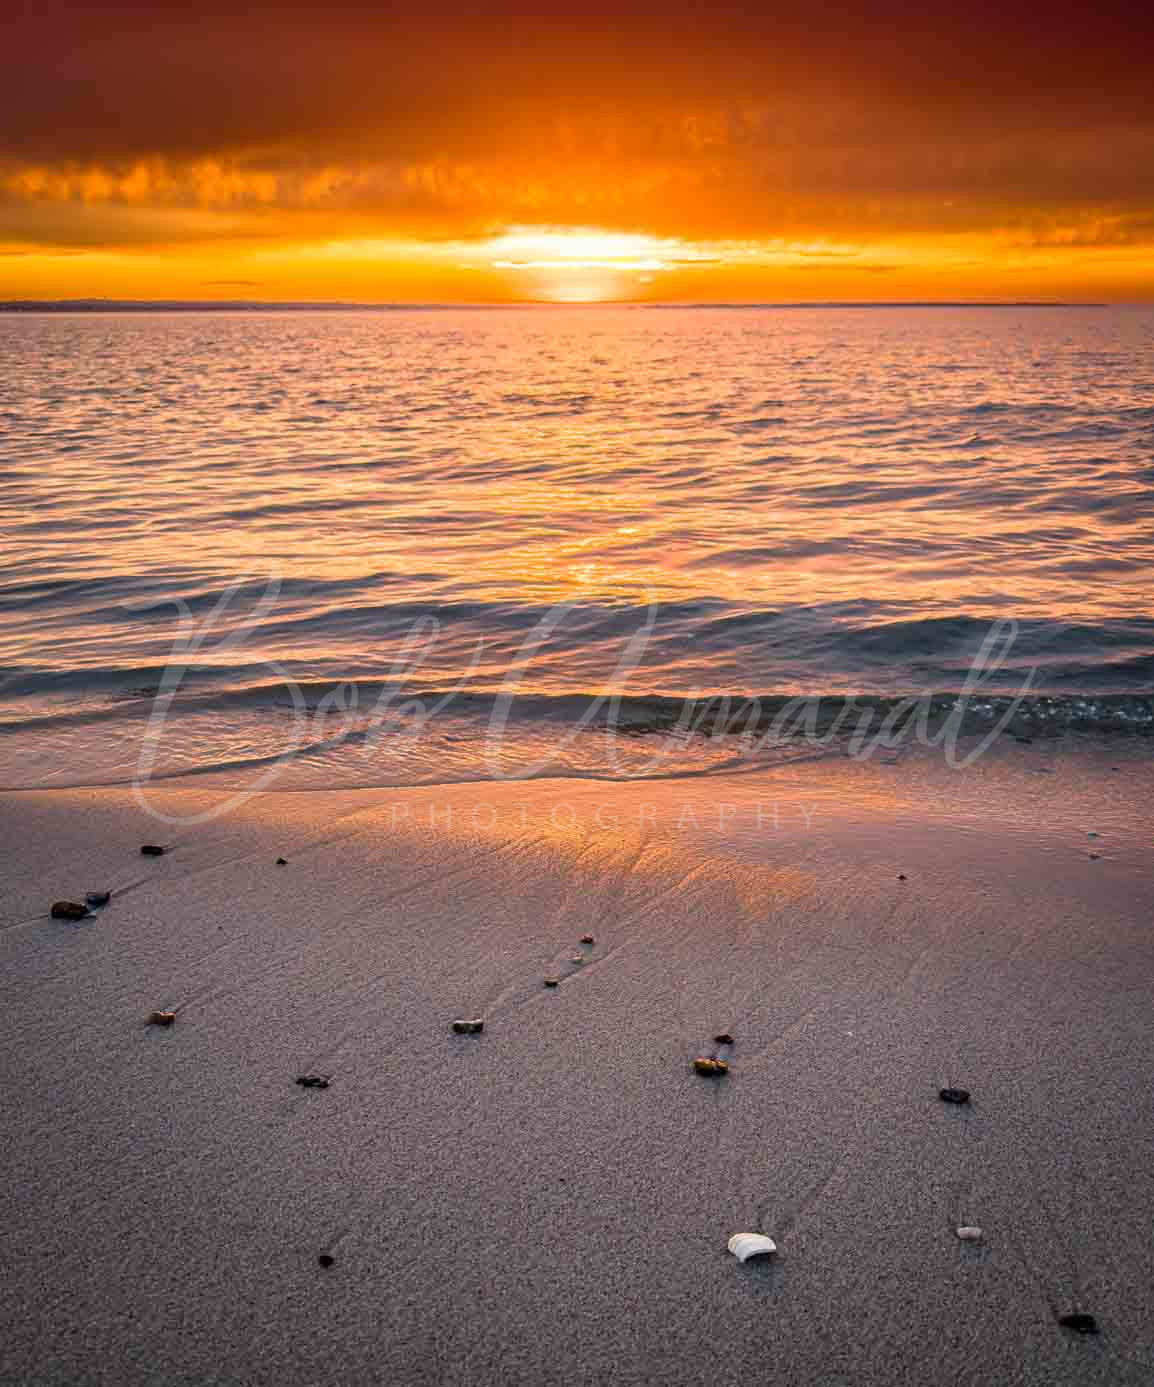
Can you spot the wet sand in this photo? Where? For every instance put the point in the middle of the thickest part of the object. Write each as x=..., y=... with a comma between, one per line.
x=550, y=1201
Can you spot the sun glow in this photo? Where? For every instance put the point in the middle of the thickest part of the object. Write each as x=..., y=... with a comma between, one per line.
x=585, y=265
x=529, y=249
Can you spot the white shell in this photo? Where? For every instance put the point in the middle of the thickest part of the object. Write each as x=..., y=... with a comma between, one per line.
x=970, y=1234
x=747, y=1245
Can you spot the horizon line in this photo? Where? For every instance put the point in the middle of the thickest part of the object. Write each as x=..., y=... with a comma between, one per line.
x=110, y=305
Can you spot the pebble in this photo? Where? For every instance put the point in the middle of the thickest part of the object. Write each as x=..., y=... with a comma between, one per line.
x=954, y=1095
x=162, y=1018
x=325, y=1260
x=68, y=910
x=313, y=1080
x=970, y=1234
x=747, y=1245
x=1094, y=856
x=710, y=1066
x=588, y=939
x=723, y=1039
x=96, y=899
x=901, y=876
x=474, y=1027
x=282, y=862
x=151, y=850
x=552, y=982
x=1079, y=1323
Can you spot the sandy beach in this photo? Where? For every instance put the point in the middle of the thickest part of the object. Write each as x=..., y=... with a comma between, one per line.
x=550, y=1201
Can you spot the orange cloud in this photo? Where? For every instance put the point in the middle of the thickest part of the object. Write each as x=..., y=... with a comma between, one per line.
x=928, y=146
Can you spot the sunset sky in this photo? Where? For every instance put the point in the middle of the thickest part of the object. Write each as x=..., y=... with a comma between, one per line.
x=574, y=152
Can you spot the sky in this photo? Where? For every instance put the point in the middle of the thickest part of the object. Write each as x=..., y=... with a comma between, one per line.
x=574, y=152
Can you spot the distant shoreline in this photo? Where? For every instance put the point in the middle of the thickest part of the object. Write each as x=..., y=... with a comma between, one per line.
x=250, y=306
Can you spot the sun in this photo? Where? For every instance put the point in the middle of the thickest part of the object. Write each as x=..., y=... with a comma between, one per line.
x=581, y=265
x=565, y=290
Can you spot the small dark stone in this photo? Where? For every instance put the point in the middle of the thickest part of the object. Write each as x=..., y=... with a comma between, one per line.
x=474, y=1027
x=68, y=910
x=96, y=899
x=325, y=1260
x=587, y=939
x=313, y=1080
x=954, y=1095
x=282, y=862
x=901, y=876
x=552, y=982
x=162, y=1018
x=1079, y=1323
x=723, y=1039
x=151, y=850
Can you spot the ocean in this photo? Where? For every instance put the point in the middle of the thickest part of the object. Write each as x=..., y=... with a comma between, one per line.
x=411, y=546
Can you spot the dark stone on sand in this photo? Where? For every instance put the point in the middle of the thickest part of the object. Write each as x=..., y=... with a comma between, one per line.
x=901, y=876
x=723, y=1039
x=325, y=1260
x=474, y=1027
x=96, y=899
x=313, y=1080
x=954, y=1095
x=162, y=1018
x=68, y=910
x=151, y=850
x=1079, y=1323
x=552, y=982
x=1095, y=856
x=587, y=939
x=282, y=862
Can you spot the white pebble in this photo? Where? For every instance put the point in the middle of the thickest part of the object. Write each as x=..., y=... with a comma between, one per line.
x=747, y=1245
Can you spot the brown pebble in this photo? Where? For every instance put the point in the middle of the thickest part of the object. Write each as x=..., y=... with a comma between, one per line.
x=325, y=1260
x=723, y=1039
x=162, y=1018
x=957, y=1096
x=901, y=876
x=588, y=939
x=474, y=1027
x=282, y=862
x=552, y=982
x=313, y=1080
x=68, y=910
x=151, y=850
x=711, y=1066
